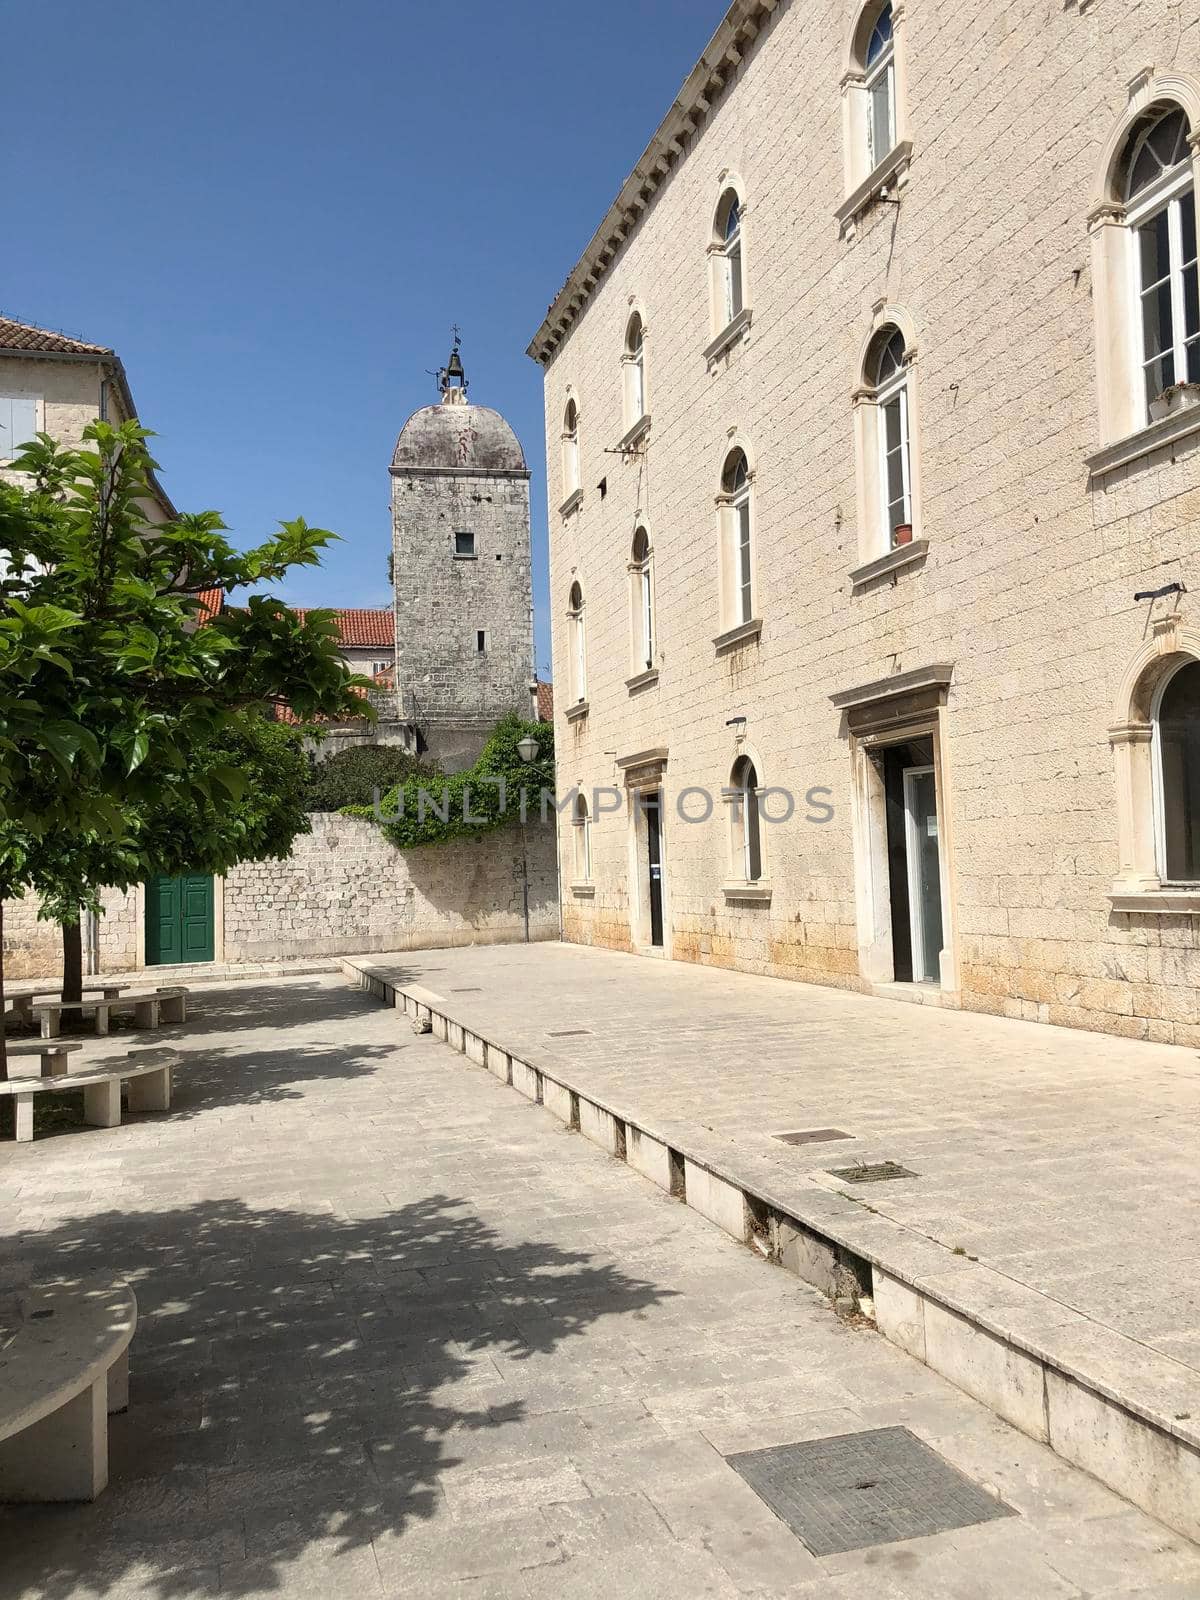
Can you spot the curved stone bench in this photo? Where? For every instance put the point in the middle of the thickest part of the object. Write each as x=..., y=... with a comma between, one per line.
x=149, y=1090
x=64, y=1366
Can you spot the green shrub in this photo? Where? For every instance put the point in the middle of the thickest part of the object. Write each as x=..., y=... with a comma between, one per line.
x=351, y=777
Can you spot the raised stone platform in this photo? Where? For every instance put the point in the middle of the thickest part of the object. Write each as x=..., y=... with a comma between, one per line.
x=661, y=1064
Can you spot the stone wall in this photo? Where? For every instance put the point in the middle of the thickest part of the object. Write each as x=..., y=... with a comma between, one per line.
x=1028, y=585
x=346, y=890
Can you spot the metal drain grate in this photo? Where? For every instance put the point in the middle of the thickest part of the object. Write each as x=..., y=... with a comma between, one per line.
x=862, y=1489
x=880, y=1172
x=466, y=991
x=813, y=1136
x=570, y=1033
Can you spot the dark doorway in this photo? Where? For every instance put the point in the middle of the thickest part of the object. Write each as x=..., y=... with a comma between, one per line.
x=652, y=805
x=914, y=861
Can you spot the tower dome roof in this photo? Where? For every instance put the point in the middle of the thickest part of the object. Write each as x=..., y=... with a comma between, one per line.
x=458, y=437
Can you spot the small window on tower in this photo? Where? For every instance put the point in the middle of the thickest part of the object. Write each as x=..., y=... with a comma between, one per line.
x=464, y=543
x=480, y=642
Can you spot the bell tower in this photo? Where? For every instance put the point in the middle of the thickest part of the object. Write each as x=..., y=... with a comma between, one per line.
x=461, y=572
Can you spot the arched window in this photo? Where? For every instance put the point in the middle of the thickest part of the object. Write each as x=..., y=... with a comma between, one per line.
x=746, y=820
x=737, y=547
x=634, y=372
x=577, y=646
x=880, y=85
x=583, y=840
x=642, y=608
x=729, y=296
x=1176, y=723
x=884, y=434
x=570, y=451
x=1161, y=212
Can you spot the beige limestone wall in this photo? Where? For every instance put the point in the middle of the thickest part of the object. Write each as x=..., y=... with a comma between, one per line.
x=1029, y=582
x=346, y=890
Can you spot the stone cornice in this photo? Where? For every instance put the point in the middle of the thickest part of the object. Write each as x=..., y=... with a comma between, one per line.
x=731, y=43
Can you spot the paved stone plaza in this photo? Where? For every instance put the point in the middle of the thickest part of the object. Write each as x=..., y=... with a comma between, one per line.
x=1063, y=1160
x=403, y=1335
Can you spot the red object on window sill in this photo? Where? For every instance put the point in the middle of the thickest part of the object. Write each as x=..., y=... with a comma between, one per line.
x=902, y=534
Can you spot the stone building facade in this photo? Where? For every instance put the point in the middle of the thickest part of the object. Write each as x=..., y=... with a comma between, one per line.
x=892, y=332
x=461, y=572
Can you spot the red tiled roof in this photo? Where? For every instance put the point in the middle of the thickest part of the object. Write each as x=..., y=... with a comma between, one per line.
x=24, y=336
x=365, y=629
x=545, y=702
x=212, y=603
x=284, y=713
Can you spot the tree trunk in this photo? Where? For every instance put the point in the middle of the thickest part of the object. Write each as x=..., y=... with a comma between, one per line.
x=72, y=981
x=72, y=940
x=3, y=1044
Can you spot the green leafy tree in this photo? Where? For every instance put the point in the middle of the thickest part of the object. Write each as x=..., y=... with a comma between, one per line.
x=351, y=777
x=110, y=690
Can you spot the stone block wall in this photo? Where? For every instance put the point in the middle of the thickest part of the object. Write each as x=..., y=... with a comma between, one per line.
x=346, y=890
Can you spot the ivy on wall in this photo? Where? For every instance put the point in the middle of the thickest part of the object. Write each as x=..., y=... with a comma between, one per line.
x=432, y=809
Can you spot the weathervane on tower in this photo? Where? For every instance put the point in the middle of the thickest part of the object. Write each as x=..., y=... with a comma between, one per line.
x=453, y=375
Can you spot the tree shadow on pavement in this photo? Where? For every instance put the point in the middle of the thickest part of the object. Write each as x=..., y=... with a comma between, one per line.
x=300, y=1384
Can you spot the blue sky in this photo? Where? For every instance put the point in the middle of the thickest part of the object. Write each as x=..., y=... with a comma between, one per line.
x=275, y=211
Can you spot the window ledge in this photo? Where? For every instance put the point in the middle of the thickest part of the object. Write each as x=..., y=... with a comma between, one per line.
x=904, y=555
x=754, y=893
x=578, y=711
x=739, y=328
x=584, y=890
x=459, y=557
x=1171, y=430
x=571, y=503
x=893, y=169
x=635, y=434
x=1157, y=902
x=744, y=633
x=642, y=680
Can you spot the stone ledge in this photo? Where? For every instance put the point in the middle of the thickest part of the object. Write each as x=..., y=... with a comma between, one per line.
x=736, y=330
x=577, y=712
x=1157, y=902
x=744, y=633
x=904, y=555
x=893, y=167
x=642, y=680
x=1136, y=446
x=1103, y=1401
x=751, y=893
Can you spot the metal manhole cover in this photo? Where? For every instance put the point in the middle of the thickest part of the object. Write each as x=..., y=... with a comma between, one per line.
x=569, y=1033
x=880, y=1172
x=813, y=1136
x=862, y=1489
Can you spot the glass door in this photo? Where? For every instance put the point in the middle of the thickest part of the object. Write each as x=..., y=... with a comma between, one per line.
x=653, y=809
x=924, y=873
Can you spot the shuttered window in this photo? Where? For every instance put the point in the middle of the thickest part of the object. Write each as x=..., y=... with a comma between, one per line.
x=18, y=423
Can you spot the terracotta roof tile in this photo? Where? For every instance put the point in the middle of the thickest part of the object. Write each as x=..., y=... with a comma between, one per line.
x=367, y=629
x=212, y=603
x=24, y=336
x=545, y=702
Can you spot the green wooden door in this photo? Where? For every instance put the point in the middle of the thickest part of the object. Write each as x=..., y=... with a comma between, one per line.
x=179, y=920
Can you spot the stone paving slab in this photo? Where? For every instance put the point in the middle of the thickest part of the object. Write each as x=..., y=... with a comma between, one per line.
x=403, y=1334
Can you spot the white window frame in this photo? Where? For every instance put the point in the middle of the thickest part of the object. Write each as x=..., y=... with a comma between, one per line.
x=741, y=839
x=896, y=388
x=737, y=542
x=1166, y=193
x=578, y=650
x=1158, y=786
x=634, y=365
x=733, y=282
x=583, y=841
x=881, y=72
x=572, y=478
x=642, y=573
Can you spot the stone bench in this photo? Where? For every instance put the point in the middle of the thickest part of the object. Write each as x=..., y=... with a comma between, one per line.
x=54, y=1055
x=149, y=1090
x=165, y=1005
x=64, y=1367
x=22, y=1000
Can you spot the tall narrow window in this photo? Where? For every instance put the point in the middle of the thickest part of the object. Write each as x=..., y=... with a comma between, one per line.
x=641, y=571
x=738, y=553
x=730, y=288
x=634, y=368
x=1162, y=215
x=583, y=840
x=880, y=84
x=747, y=822
x=1177, y=771
x=577, y=646
x=570, y=451
x=884, y=430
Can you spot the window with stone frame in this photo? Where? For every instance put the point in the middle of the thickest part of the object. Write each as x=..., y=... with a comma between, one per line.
x=745, y=822
x=1176, y=775
x=641, y=574
x=736, y=517
x=570, y=452
x=583, y=840
x=728, y=264
x=576, y=646
x=633, y=373
x=1161, y=217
